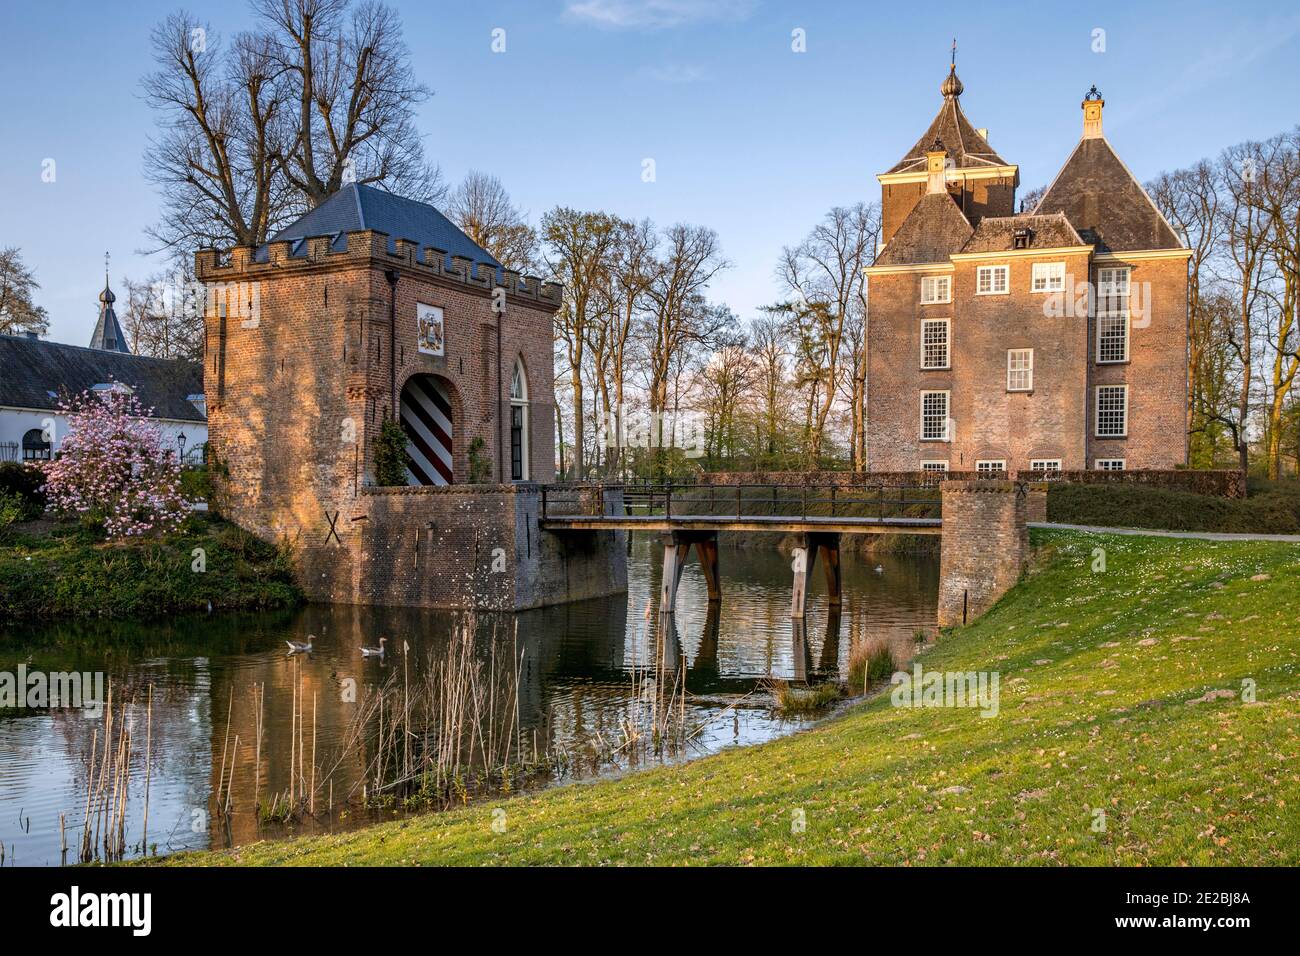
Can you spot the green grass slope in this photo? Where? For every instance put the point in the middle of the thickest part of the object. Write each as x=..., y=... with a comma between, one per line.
x=1107, y=704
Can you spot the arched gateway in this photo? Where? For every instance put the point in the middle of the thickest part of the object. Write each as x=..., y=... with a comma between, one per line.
x=427, y=419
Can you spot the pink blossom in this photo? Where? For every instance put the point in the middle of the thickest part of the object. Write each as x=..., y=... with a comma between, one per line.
x=113, y=466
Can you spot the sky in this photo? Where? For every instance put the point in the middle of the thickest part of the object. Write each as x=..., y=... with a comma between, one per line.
x=747, y=135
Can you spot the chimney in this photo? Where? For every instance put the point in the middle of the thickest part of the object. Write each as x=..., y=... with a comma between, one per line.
x=1092, y=105
x=936, y=159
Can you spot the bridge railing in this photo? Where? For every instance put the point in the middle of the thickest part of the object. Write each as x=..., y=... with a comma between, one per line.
x=878, y=501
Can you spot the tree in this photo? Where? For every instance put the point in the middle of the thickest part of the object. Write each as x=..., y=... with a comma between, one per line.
x=320, y=94
x=634, y=269
x=725, y=378
x=1189, y=199
x=578, y=250
x=163, y=316
x=824, y=272
x=677, y=315
x=114, y=469
x=1278, y=198
x=18, y=311
x=772, y=353
x=481, y=207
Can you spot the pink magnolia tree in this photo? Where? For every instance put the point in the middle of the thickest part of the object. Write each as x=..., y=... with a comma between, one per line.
x=114, y=468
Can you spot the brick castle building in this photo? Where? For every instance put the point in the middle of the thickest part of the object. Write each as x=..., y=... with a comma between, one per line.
x=368, y=307
x=1054, y=339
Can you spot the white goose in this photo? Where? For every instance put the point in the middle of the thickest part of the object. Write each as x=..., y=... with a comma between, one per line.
x=298, y=647
x=375, y=651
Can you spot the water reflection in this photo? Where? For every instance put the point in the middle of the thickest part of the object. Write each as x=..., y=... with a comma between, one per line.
x=215, y=680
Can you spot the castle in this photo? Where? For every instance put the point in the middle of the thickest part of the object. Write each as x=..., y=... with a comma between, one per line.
x=1043, y=341
x=374, y=307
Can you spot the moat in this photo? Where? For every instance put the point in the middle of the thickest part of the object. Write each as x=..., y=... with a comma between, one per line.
x=582, y=669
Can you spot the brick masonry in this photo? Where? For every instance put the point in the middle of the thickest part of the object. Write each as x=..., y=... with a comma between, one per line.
x=985, y=546
x=305, y=357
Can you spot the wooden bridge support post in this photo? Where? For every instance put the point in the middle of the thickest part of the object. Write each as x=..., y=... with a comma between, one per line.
x=813, y=544
x=677, y=550
x=805, y=555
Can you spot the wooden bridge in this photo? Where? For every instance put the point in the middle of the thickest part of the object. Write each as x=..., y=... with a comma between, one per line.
x=690, y=516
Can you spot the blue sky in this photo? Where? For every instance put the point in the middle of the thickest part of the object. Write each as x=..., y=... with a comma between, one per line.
x=748, y=137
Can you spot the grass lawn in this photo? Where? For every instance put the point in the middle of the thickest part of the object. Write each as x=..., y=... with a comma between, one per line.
x=51, y=570
x=1100, y=674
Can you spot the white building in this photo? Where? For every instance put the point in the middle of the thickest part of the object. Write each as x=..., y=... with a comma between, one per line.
x=35, y=374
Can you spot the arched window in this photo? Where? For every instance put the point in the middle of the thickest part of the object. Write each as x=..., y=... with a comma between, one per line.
x=35, y=447
x=519, y=423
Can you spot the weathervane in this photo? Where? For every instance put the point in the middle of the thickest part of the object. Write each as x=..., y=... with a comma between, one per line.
x=953, y=64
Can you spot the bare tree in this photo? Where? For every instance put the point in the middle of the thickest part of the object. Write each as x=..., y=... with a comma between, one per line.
x=825, y=273
x=481, y=207
x=772, y=353
x=634, y=269
x=1189, y=199
x=1278, y=197
x=678, y=316
x=578, y=250
x=163, y=316
x=256, y=132
x=1245, y=236
x=725, y=378
x=18, y=310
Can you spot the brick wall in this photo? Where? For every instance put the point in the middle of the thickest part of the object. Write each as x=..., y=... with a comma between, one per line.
x=296, y=395
x=1056, y=419
x=985, y=546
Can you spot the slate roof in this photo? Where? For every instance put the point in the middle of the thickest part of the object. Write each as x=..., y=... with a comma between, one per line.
x=31, y=369
x=934, y=229
x=966, y=147
x=108, y=334
x=1105, y=203
x=997, y=233
x=356, y=207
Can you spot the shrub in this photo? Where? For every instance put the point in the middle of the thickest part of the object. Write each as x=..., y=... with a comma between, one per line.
x=23, y=483
x=390, y=454
x=114, y=470
x=196, y=483
x=794, y=701
x=1273, y=507
x=870, y=661
x=480, y=467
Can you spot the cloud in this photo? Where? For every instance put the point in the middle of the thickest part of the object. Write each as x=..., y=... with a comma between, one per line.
x=675, y=73
x=654, y=14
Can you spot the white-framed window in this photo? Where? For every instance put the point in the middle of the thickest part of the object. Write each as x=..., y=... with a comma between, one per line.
x=1112, y=411
x=1112, y=314
x=1047, y=277
x=1045, y=464
x=992, y=280
x=1020, y=370
x=934, y=343
x=936, y=289
x=991, y=466
x=519, y=423
x=934, y=466
x=934, y=416
x=1109, y=464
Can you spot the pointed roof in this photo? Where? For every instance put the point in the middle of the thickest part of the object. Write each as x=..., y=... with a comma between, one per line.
x=1105, y=202
x=108, y=334
x=932, y=231
x=356, y=207
x=966, y=147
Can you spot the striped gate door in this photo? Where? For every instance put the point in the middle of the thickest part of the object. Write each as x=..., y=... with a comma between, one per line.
x=426, y=419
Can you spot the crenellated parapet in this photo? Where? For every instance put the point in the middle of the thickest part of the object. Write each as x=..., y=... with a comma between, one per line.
x=246, y=263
